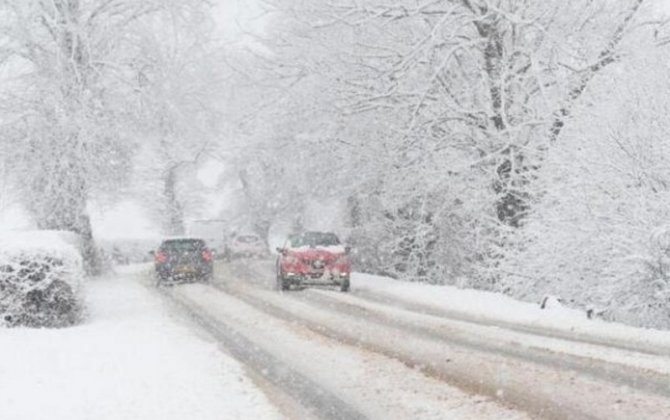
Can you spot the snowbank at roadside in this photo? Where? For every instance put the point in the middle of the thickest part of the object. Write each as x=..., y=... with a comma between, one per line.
x=131, y=360
x=497, y=308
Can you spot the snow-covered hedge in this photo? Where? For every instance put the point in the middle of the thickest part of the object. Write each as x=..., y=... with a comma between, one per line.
x=41, y=275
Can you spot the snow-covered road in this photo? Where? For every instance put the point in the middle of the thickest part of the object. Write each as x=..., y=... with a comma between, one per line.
x=238, y=349
x=548, y=377
x=351, y=382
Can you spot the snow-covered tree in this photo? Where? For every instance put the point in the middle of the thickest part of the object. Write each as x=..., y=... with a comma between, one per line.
x=182, y=88
x=445, y=110
x=599, y=235
x=87, y=84
x=64, y=104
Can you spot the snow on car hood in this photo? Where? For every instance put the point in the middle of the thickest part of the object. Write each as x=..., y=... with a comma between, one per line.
x=332, y=249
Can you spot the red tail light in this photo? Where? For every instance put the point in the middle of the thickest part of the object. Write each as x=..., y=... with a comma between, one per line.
x=207, y=256
x=161, y=257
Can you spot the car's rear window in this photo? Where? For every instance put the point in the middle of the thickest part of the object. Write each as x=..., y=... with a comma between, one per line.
x=183, y=245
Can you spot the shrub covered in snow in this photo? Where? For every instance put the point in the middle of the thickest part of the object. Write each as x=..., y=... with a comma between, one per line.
x=41, y=274
x=600, y=235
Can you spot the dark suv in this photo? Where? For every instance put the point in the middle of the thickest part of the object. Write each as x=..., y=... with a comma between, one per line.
x=183, y=260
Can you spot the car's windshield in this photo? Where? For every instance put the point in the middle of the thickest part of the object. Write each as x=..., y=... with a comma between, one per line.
x=313, y=239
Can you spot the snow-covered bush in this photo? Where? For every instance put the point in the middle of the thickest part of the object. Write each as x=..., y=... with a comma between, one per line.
x=41, y=274
x=599, y=234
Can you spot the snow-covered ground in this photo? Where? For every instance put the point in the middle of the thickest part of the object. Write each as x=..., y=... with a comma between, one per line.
x=536, y=371
x=134, y=358
x=487, y=307
x=495, y=308
x=377, y=386
x=129, y=360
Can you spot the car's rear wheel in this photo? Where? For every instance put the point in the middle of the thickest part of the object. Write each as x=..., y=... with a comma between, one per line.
x=160, y=279
x=344, y=286
x=282, y=283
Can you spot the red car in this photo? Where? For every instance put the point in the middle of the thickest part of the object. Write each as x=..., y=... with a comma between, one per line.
x=316, y=258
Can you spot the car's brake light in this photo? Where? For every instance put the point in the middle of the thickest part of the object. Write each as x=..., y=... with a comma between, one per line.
x=207, y=255
x=161, y=257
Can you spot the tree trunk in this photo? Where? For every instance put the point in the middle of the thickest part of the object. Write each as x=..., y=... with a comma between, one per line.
x=63, y=193
x=513, y=173
x=60, y=198
x=511, y=203
x=174, y=223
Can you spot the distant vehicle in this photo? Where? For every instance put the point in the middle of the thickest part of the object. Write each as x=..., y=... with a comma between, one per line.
x=313, y=258
x=41, y=273
x=183, y=259
x=128, y=251
x=214, y=232
x=247, y=245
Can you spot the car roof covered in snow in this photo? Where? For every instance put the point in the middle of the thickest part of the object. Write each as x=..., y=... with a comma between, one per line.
x=182, y=238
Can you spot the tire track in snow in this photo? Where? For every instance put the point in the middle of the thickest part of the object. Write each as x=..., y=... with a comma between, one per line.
x=377, y=386
x=260, y=273
x=644, y=379
x=576, y=337
x=318, y=401
x=535, y=401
